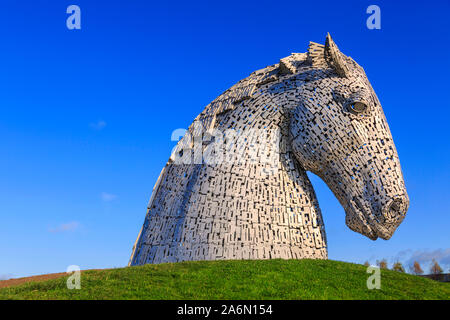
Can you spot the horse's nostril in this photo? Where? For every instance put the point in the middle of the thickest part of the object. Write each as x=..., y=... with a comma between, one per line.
x=395, y=206
x=395, y=209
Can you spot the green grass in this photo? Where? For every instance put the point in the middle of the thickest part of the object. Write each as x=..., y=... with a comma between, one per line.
x=254, y=279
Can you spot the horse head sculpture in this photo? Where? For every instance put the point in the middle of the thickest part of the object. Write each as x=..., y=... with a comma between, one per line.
x=235, y=186
x=340, y=133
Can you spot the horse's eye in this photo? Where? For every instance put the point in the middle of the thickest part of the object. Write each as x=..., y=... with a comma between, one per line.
x=357, y=107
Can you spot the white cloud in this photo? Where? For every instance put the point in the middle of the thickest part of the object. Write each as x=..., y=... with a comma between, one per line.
x=99, y=125
x=6, y=276
x=426, y=256
x=65, y=227
x=108, y=197
x=423, y=256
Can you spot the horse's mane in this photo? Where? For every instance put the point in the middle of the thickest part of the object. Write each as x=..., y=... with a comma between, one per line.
x=317, y=57
x=245, y=88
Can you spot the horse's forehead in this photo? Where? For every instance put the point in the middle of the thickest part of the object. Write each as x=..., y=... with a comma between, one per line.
x=357, y=80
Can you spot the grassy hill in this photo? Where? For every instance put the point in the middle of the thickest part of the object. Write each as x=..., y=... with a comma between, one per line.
x=254, y=279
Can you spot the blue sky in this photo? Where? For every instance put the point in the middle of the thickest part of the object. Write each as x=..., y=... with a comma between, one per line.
x=86, y=115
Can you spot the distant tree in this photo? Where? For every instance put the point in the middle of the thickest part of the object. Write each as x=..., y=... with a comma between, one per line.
x=416, y=269
x=398, y=267
x=382, y=264
x=435, y=268
x=367, y=264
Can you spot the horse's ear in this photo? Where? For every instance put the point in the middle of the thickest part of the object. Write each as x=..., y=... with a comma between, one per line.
x=334, y=57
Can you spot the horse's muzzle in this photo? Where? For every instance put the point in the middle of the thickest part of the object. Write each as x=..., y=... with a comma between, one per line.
x=391, y=217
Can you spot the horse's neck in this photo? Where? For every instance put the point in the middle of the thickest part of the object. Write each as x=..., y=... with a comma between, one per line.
x=241, y=207
x=212, y=212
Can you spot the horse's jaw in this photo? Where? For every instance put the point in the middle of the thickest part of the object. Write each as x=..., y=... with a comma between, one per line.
x=362, y=218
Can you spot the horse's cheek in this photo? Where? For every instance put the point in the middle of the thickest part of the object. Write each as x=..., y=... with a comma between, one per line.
x=360, y=133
